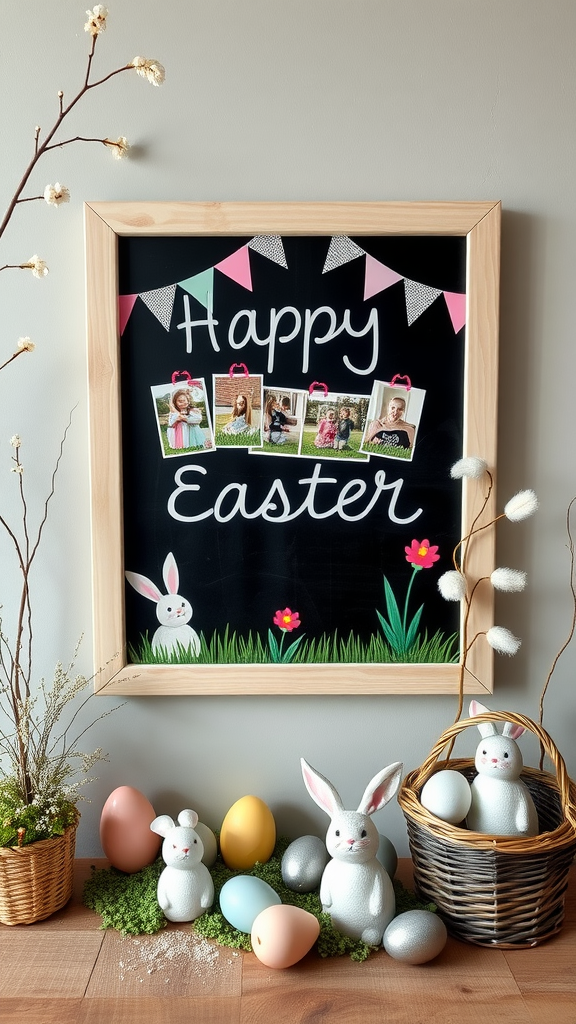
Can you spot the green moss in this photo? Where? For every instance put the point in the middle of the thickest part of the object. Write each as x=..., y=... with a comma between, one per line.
x=128, y=903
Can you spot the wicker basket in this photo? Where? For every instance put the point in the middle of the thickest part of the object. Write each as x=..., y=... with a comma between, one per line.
x=504, y=891
x=37, y=880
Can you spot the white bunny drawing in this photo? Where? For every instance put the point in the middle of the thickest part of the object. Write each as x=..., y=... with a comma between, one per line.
x=185, y=887
x=355, y=890
x=173, y=611
x=501, y=802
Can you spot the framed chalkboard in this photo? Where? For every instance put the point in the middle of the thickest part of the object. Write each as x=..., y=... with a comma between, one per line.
x=277, y=394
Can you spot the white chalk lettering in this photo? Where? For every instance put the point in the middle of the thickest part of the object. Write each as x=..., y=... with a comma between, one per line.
x=276, y=508
x=243, y=330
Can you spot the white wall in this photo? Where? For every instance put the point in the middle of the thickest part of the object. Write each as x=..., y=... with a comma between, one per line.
x=298, y=100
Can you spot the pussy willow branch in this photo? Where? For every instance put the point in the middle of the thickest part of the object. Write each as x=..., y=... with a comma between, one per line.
x=45, y=146
x=572, y=629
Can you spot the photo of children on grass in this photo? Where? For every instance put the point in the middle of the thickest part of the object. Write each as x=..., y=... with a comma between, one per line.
x=283, y=421
x=393, y=417
x=183, y=418
x=238, y=410
x=334, y=425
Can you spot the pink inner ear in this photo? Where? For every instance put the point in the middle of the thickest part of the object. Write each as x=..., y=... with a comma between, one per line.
x=515, y=731
x=321, y=792
x=172, y=579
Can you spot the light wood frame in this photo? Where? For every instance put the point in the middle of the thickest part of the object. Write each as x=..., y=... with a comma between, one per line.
x=479, y=222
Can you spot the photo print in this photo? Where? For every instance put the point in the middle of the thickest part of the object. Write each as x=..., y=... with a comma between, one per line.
x=284, y=410
x=238, y=407
x=393, y=419
x=333, y=426
x=182, y=417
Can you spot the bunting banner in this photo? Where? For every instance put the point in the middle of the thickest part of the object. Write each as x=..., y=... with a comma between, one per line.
x=160, y=301
x=378, y=277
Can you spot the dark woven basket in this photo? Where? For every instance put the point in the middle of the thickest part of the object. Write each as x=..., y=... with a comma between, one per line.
x=504, y=891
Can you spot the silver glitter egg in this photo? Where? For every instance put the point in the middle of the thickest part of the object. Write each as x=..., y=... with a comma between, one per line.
x=387, y=855
x=415, y=937
x=303, y=864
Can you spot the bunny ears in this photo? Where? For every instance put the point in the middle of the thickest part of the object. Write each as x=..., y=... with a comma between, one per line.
x=146, y=588
x=163, y=823
x=489, y=728
x=378, y=792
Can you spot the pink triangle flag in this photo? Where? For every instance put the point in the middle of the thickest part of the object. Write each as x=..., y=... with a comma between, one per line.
x=378, y=277
x=237, y=267
x=456, y=302
x=125, y=307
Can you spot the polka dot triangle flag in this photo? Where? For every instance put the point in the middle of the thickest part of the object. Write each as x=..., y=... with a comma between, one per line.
x=271, y=247
x=418, y=298
x=160, y=301
x=340, y=251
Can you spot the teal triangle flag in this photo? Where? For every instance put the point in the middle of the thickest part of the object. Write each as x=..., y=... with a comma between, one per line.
x=201, y=287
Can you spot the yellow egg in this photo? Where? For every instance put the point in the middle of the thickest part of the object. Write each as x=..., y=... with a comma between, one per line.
x=248, y=834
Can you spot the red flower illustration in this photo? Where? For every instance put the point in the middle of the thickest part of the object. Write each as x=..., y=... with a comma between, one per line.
x=421, y=554
x=287, y=620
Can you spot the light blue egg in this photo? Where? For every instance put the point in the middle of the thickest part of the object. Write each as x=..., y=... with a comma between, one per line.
x=387, y=855
x=415, y=937
x=243, y=897
x=303, y=864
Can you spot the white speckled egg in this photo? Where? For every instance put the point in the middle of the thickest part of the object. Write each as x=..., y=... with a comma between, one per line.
x=447, y=795
x=208, y=842
x=415, y=937
x=303, y=864
x=387, y=855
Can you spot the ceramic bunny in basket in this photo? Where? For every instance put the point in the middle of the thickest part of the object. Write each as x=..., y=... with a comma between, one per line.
x=501, y=802
x=172, y=610
x=185, y=887
x=355, y=889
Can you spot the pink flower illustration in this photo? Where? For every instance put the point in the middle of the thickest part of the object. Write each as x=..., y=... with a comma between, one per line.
x=287, y=620
x=421, y=554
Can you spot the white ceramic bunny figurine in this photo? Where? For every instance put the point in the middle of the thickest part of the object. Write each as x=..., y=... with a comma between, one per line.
x=185, y=887
x=355, y=888
x=501, y=803
x=173, y=611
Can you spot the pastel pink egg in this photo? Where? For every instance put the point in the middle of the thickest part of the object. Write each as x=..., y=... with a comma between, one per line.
x=282, y=935
x=125, y=832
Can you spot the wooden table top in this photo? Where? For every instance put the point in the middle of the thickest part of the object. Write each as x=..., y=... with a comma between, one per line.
x=66, y=970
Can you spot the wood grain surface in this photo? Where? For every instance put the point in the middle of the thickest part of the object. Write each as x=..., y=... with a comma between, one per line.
x=66, y=970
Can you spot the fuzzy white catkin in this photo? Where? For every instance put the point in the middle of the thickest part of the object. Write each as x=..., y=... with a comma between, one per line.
x=521, y=506
x=511, y=580
x=452, y=585
x=471, y=466
x=502, y=640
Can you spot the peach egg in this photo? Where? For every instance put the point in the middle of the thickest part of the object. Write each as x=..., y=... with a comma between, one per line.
x=282, y=935
x=125, y=832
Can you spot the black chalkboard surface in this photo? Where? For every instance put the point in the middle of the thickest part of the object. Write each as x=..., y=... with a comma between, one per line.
x=289, y=406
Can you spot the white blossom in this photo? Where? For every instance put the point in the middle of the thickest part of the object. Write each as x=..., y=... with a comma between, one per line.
x=96, y=20
x=26, y=345
x=452, y=585
x=118, y=146
x=17, y=469
x=150, y=69
x=56, y=194
x=511, y=580
x=15, y=441
x=471, y=466
x=38, y=267
x=521, y=506
x=502, y=640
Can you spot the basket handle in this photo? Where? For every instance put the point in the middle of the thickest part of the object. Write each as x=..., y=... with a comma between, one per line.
x=546, y=741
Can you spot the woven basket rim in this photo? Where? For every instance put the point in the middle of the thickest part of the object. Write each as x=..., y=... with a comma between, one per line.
x=40, y=844
x=563, y=835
